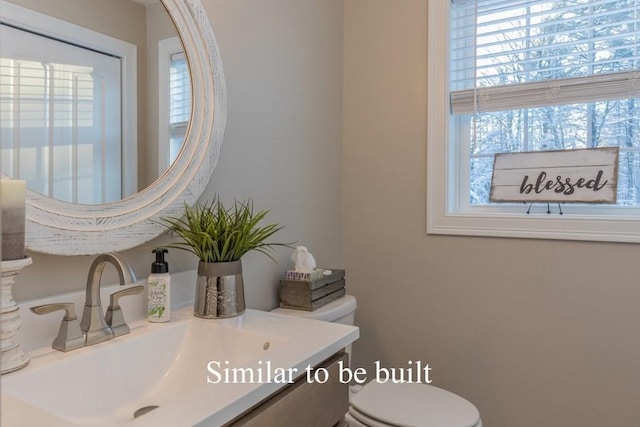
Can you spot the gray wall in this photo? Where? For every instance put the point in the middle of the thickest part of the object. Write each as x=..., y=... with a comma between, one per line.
x=535, y=333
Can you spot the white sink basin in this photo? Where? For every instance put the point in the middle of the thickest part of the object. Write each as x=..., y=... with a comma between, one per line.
x=165, y=365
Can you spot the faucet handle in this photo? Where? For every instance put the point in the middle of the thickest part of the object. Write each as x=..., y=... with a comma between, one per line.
x=69, y=336
x=114, y=316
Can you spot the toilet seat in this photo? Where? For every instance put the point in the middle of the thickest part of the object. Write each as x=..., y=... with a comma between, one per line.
x=411, y=405
x=356, y=418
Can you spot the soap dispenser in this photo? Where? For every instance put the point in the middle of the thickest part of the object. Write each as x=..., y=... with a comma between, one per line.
x=158, y=287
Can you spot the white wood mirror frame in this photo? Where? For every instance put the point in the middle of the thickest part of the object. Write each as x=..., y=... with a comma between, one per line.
x=62, y=228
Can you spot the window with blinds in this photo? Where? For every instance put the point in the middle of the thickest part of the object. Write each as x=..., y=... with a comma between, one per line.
x=179, y=102
x=174, y=100
x=544, y=75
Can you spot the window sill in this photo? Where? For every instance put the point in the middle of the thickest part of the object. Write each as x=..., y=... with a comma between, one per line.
x=536, y=226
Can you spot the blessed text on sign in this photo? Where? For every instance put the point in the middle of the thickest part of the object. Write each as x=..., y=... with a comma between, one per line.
x=571, y=176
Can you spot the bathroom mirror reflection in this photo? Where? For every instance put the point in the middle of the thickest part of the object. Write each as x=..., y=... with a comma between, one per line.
x=59, y=227
x=95, y=96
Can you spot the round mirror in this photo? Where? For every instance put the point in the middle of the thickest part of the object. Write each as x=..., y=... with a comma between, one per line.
x=88, y=196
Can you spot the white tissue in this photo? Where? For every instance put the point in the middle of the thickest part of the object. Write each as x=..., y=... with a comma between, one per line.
x=303, y=260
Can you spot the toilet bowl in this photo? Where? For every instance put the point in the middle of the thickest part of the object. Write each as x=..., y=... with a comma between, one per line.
x=389, y=404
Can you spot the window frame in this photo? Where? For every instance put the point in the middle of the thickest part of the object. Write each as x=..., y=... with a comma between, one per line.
x=446, y=212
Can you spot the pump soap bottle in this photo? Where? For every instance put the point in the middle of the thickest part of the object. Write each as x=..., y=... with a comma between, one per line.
x=158, y=287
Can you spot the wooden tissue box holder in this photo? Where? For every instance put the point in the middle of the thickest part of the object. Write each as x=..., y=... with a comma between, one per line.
x=311, y=293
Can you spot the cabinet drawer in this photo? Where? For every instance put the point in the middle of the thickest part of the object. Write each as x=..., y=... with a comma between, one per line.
x=303, y=403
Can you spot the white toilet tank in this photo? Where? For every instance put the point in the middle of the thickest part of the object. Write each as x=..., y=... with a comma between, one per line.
x=341, y=310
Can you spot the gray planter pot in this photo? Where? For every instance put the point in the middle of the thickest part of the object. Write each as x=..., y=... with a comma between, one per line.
x=219, y=290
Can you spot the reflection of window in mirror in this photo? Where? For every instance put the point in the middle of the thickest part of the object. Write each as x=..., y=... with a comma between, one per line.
x=174, y=99
x=61, y=110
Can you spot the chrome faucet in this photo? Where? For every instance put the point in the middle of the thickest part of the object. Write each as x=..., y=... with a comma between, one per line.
x=93, y=323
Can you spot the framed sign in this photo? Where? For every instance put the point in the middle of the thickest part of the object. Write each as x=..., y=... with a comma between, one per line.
x=571, y=176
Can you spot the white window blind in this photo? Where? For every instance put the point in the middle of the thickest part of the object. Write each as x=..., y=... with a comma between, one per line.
x=508, y=54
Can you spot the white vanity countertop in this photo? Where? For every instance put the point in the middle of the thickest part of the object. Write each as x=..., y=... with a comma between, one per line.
x=172, y=359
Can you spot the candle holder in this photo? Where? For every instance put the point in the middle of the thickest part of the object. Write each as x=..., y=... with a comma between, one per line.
x=12, y=357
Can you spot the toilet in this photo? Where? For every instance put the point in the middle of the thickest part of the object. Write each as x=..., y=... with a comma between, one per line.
x=394, y=405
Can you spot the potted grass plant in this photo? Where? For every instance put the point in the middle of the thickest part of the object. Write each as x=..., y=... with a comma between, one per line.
x=219, y=237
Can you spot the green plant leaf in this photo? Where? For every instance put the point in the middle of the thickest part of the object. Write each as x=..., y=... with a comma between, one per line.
x=217, y=234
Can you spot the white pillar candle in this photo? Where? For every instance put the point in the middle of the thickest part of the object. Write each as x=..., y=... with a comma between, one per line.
x=13, y=194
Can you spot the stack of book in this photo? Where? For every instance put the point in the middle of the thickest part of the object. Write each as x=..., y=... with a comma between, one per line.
x=310, y=291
